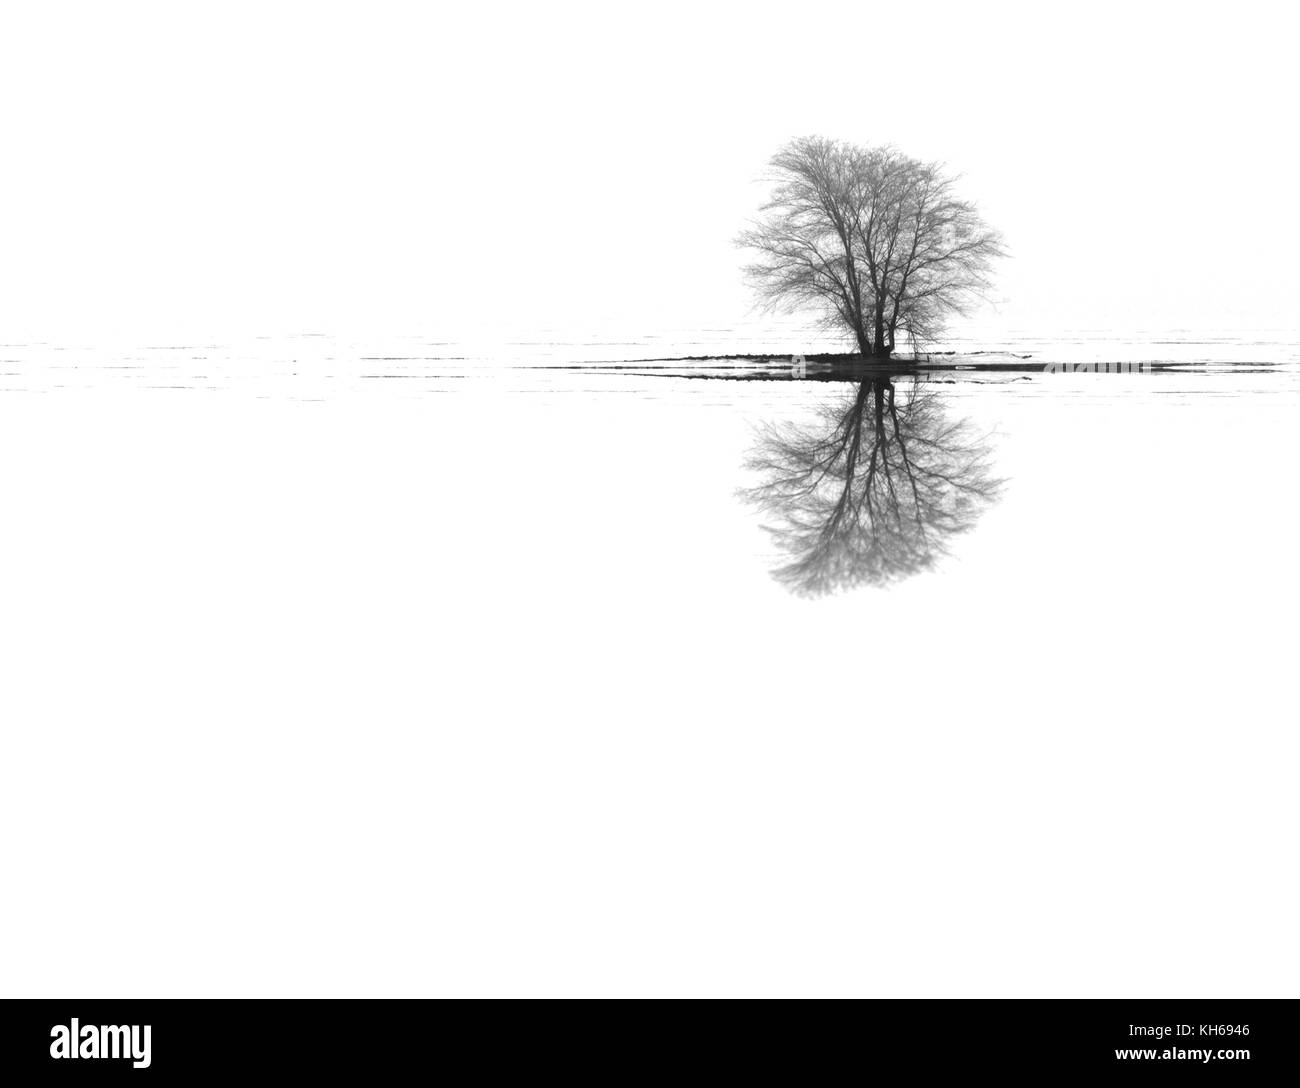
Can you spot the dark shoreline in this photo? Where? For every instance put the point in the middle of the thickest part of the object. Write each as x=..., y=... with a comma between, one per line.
x=852, y=367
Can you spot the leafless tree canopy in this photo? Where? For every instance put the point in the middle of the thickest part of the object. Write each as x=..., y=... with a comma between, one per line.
x=873, y=491
x=877, y=242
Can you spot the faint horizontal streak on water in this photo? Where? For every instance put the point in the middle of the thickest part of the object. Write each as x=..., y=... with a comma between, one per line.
x=714, y=365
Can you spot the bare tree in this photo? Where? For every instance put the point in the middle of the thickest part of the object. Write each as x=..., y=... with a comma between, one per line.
x=877, y=242
x=873, y=491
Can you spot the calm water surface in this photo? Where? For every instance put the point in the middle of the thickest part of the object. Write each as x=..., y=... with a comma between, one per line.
x=938, y=660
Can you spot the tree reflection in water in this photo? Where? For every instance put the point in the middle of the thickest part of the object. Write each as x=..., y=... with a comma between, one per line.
x=873, y=491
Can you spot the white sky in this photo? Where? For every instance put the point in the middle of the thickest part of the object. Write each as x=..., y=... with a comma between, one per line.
x=273, y=167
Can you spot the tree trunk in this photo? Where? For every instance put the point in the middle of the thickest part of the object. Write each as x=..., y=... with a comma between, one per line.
x=881, y=350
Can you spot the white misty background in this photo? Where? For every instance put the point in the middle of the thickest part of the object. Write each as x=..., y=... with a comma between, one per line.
x=405, y=691
x=280, y=167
